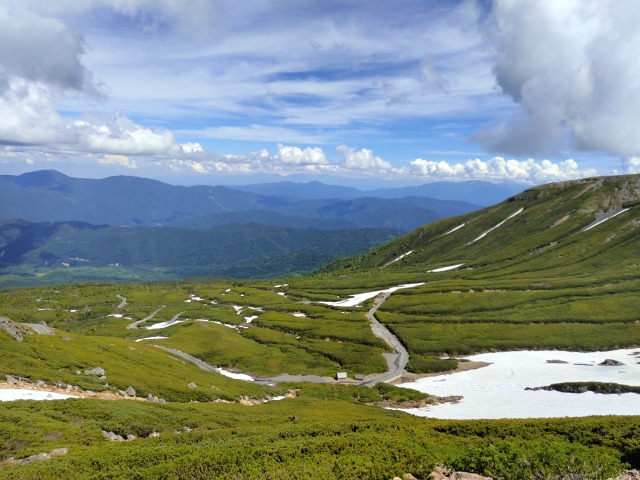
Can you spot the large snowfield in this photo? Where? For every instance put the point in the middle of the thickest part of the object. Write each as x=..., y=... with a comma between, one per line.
x=498, y=390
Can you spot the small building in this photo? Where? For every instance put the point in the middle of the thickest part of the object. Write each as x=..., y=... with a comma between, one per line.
x=341, y=375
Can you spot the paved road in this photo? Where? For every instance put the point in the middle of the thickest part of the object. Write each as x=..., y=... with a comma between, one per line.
x=189, y=358
x=135, y=324
x=396, y=362
x=123, y=303
x=39, y=328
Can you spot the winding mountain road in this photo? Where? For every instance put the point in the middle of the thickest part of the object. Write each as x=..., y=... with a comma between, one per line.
x=396, y=362
x=134, y=325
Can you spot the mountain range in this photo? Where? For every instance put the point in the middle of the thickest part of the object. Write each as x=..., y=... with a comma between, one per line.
x=57, y=228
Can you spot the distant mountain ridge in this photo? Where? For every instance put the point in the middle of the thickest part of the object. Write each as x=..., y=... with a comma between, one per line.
x=50, y=196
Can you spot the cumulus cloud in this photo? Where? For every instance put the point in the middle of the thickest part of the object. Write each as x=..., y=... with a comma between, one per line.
x=40, y=49
x=497, y=168
x=121, y=160
x=630, y=165
x=572, y=68
x=298, y=156
x=363, y=160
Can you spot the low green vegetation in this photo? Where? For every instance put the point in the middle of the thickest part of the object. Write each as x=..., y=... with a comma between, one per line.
x=309, y=437
x=539, y=282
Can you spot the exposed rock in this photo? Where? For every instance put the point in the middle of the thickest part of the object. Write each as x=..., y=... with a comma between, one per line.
x=408, y=476
x=444, y=473
x=131, y=437
x=611, y=363
x=630, y=475
x=12, y=380
x=14, y=329
x=192, y=385
x=556, y=361
x=130, y=392
x=153, y=434
x=112, y=437
x=56, y=452
x=98, y=372
x=162, y=400
x=40, y=383
x=90, y=393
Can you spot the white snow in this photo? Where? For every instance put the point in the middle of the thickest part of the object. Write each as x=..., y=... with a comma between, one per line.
x=498, y=390
x=282, y=294
x=228, y=290
x=157, y=326
x=251, y=318
x=225, y=324
x=151, y=338
x=117, y=315
x=10, y=394
x=282, y=285
x=482, y=235
x=454, y=229
x=299, y=315
x=604, y=220
x=357, y=299
x=444, y=269
x=237, y=308
x=399, y=258
x=237, y=376
x=257, y=309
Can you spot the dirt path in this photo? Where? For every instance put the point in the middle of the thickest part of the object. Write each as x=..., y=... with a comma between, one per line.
x=134, y=325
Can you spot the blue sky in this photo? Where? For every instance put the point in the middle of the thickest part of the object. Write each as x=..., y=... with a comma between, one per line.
x=411, y=91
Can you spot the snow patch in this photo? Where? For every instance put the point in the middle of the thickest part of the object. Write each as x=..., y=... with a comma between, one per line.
x=158, y=326
x=11, y=394
x=498, y=390
x=282, y=285
x=398, y=259
x=282, y=294
x=357, y=299
x=589, y=227
x=251, y=318
x=444, y=269
x=454, y=229
x=482, y=235
x=299, y=314
x=151, y=338
x=116, y=315
x=237, y=376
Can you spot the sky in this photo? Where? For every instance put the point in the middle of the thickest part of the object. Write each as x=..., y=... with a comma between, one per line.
x=395, y=91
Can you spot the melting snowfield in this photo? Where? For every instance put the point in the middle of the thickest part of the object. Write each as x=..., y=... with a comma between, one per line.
x=498, y=390
x=357, y=299
x=446, y=269
x=10, y=394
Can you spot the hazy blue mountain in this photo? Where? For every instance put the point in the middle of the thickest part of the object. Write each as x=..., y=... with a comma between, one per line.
x=50, y=196
x=475, y=192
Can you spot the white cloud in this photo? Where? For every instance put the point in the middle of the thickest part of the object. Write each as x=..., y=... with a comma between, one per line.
x=298, y=156
x=630, y=165
x=497, y=168
x=572, y=68
x=363, y=160
x=122, y=160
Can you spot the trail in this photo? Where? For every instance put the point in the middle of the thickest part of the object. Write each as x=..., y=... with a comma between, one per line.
x=134, y=325
x=123, y=302
x=396, y=362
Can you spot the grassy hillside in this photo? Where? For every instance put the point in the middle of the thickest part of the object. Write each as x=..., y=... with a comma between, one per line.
x=533, y=275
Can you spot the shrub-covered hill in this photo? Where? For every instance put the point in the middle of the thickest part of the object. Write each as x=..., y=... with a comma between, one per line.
x=548, y=230
x=557, y=266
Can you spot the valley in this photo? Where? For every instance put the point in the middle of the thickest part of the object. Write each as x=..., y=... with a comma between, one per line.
x=550, y=275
